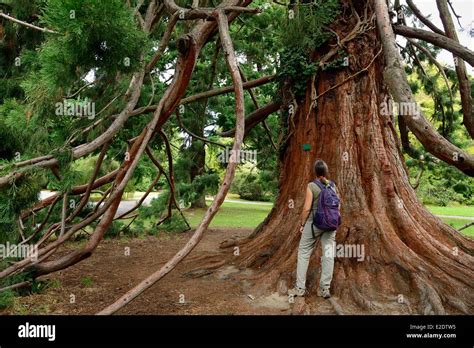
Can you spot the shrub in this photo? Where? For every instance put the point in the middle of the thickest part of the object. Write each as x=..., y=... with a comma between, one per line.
x=251, y=191
x=7, y=299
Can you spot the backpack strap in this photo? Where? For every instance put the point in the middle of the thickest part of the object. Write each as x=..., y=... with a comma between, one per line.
x=320, y=184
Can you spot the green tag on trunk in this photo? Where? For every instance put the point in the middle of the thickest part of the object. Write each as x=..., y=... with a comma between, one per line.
x=306, y=147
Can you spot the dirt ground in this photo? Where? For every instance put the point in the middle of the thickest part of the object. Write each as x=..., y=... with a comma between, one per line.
x=118, y=265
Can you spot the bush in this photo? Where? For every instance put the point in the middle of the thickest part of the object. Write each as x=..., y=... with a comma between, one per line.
x=261, y=187
x=251, y=191
x=157, y=209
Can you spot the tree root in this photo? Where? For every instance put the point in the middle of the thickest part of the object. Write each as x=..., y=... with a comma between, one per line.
x=337, y=307
x=430, y=300
x=360, y=300
x=204, y=271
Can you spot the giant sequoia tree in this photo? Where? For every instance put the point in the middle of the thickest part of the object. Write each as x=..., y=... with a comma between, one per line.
x=331, y=94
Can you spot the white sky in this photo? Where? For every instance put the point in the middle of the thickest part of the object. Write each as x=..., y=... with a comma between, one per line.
x=465, y=9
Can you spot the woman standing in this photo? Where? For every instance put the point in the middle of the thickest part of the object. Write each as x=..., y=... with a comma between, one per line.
x=310, y=235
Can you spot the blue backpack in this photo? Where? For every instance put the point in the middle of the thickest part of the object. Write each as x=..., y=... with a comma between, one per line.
x=327, y=217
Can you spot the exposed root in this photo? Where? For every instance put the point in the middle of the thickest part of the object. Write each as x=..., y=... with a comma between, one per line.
x=204, y=271
x=337, y=307
x=360, y=300
x=429, y=299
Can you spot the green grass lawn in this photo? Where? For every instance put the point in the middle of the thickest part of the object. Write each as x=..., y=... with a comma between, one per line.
x=232, y=215
x=457, y=223
x=452, y=210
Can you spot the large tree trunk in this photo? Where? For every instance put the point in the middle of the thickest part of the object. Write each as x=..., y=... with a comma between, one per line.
x=410, y=255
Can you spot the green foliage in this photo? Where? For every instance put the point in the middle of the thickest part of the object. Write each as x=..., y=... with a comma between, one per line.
x=295, y=69
x=157, y=209
x=443, y=186
x=302, y=33
x=87, y=282
x=174, y=224
x=305, y=26
x=22, y=193
x=98, y=36
x=202, y=184
x=7, y=299
x=13, y=129
x=251, y=191
x=114, y=229
x=255, y=187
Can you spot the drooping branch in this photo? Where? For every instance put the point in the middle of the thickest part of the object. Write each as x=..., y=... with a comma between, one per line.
x=437, y=40
x=170, y=178
x=435, y=62
x=466, y=226
x=142, y=198
x=77, y=190
x=183, y=127
x=255, y=103
x=202, y=12
x=211, y=93
x=405, y=139
x=26, y=24
x=255, y=118
x=229, y=175
x=461, y=72
x=396, y=80
x=164, y=42
x=423, y=19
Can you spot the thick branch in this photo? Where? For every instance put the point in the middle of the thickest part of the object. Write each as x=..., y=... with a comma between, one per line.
x=211, y=93
x=254, y=118
x=461, y=72
x=423, y=19
x=397, y=83
x=437, y=40
x=203, y=12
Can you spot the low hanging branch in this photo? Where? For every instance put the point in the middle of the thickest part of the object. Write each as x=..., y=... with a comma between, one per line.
x=255, y=118
x=29, y=25
x=183, y=127
x=437, y=40
x=255, y=103
x=466, y=226
x=423, y=19
x=229, y=175
x=460, y=67
x=211, y=93
x=396, y=80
